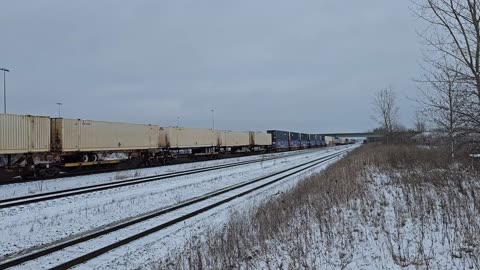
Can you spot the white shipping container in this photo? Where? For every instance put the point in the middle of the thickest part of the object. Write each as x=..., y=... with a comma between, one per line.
x=234, y=138
x=24, y=134
x=89, y=136
x=173, y=137
x=260, y=138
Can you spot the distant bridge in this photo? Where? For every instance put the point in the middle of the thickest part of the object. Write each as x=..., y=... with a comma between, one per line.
x=355, y=134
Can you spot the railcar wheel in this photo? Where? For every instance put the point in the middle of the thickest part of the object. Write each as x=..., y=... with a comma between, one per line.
x=93, y=157
x=85, y=158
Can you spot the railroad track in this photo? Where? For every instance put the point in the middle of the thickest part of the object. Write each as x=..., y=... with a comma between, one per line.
x=60, y=249
x=46, y=196
x=125, y=167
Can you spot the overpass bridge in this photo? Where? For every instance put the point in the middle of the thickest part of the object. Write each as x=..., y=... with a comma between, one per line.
x=354, y=134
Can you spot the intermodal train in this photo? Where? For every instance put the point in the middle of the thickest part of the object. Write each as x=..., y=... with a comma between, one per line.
x=42, y=146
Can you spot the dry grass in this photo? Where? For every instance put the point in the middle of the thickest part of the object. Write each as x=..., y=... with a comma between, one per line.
x=324, y=220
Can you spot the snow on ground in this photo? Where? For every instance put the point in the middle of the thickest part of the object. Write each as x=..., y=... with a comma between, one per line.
x=390, y=238
x=42, y=223
x=42, y=186
x=396, y=226
x=141, y=253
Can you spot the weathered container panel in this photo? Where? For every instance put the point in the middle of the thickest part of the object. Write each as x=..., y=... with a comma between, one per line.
x=280, y=139
x=188, y=137
x=294, y=140
x=313, y=140
x=24, y=134
x=235, y=138
x=260, y=138
x=330, y=141
x=90, y=136
x=304, y=140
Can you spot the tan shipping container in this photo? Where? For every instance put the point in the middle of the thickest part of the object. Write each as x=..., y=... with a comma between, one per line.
x=173, y=137
x=24, y=134
x=328, y=139
x=260, y=138
x=88, y=136
x=233, y=138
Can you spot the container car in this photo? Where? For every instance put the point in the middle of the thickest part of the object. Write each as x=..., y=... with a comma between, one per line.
x=312, y=138
x=319, y=140
x=323, y=140
x=260, y=139
x=43, y=146
x=280, y=139
x=295, y=140
x=70, y=135
x=234, y=140
x=304, y=140
x=22, y=134
x=329, y=140
x=181, y=137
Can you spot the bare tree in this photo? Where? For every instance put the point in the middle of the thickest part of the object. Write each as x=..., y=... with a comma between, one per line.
x=443, y=98
x=453, y=33
x=386, y=110
x=420, y=123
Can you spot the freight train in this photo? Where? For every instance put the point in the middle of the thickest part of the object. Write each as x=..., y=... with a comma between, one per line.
x=40, y=146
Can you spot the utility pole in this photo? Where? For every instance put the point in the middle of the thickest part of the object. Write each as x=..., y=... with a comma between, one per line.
x=4, y=90
x=59, y=109
x=213, y=119
x=178, y=121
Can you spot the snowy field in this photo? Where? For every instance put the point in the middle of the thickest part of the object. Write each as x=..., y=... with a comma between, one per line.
x=382, y=207
x=30, y=226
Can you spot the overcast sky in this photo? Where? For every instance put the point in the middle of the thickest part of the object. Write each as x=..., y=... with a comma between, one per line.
x=309, y=66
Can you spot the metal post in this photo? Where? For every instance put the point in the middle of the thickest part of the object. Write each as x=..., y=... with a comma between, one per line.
x=178, y=121
x=213, y=119
x=4, y=93
x=59, y=111
x=4, y=89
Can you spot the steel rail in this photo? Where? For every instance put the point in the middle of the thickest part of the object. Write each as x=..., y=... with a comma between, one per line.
x=93, y=254
x=127, y=167
x=46, y=196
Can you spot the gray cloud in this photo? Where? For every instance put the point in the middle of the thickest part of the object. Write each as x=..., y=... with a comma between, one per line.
x=301, y=65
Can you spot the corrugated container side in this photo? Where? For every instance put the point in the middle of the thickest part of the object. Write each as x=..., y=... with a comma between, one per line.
x=86, y=135
x=220, y=138
x=163, y=141
x=280, y=139
x=260, y=138
x=24, y=134
x=40, y=133
x=190, y=137
x=236, y=138
x=96, y=135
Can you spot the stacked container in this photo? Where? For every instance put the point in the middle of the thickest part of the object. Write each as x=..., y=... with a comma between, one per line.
x=295, y=140
x=280, y=139
x=233, y=138
x=70, y=135
x=20, y=134
x=174, y=137
x=260, y=139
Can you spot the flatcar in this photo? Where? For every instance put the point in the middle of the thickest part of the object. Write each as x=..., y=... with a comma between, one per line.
x=41, y=146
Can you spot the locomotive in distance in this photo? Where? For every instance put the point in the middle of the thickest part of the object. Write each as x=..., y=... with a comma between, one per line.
x=41, y=146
